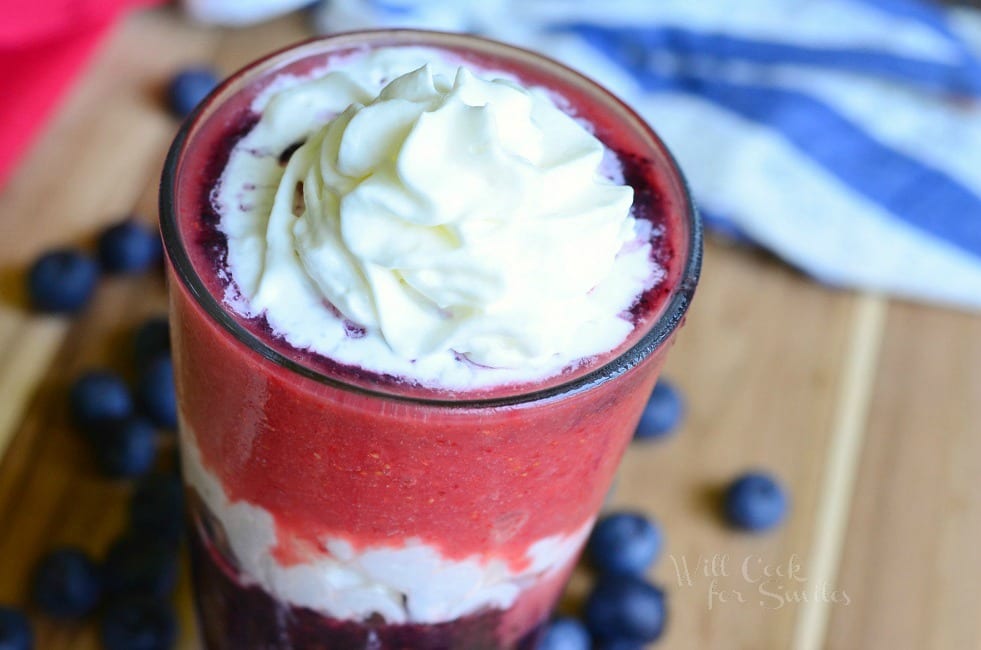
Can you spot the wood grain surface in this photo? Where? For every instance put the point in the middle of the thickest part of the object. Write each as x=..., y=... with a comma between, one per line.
x=867, y=409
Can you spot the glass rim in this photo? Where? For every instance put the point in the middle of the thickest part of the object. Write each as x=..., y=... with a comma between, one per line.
x=658, y=333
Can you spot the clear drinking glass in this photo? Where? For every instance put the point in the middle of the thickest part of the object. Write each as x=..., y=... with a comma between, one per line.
x=332, y=508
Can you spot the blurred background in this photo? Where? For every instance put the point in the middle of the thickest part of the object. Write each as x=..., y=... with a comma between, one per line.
x=834, y=150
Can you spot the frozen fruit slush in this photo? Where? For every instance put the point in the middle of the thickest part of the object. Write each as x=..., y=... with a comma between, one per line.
x=421, y=285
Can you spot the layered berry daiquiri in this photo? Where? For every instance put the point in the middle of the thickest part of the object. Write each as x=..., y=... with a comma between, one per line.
x=422, y=286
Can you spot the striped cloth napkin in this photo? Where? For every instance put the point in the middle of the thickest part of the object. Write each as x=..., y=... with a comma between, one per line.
x=842, y=135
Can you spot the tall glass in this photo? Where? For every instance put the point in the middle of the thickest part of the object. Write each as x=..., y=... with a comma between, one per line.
x=332, y=508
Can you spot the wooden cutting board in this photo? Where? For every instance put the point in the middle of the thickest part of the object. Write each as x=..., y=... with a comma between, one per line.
x=867, y=409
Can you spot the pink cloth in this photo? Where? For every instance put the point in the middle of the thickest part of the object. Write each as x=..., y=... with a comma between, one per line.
x=44, y=44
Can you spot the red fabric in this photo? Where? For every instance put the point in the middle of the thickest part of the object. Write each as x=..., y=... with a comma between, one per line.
x=43, y=46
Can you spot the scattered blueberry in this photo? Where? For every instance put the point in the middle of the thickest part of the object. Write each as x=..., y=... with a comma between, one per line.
x=62, y=281
x=625, y=609
x=755, y=502
x=126, y=448
x=137, y=564
x=188, y=88
x=152, y=340
x=624, y=542
x=663, y=412
x=15, y=630
x=139, y=624
x=157, y=507
x=97, y=398
x=155, y=392
x=67, y=584
x=128, y=247
x=619, y=644
x=565, y=634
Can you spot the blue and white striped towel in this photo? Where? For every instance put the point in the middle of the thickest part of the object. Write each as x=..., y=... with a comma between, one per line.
x=843, y=135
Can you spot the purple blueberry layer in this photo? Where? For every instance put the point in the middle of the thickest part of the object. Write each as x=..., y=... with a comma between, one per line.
x=235, y=616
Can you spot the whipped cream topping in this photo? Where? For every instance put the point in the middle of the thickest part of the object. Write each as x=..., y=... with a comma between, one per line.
x=406, y=582
x=451, y=228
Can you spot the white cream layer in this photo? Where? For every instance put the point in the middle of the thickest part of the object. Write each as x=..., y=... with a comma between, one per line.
x=411, y=583
x=454, y=230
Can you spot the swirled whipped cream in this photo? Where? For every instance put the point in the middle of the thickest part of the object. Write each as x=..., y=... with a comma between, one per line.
x=433, y=222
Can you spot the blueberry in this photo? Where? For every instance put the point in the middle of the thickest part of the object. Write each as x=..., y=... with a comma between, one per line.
x=155, y=392
x=151, y=340
x=67, y=584
x=755, y=502
x=625, y=608
x=157, y=507
x=128, y=247
x=137, y=564
x=565, y=634
x=619, y=644
x=663, y=412
x=188, y=88
x=126, y=448
x=139, y=624
x=97, y=398
x=62, y=281
x=15, y=630
x=624, y=542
